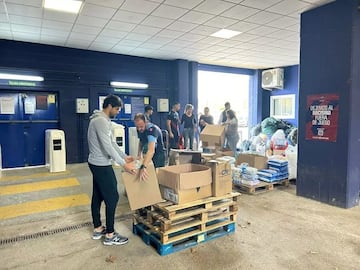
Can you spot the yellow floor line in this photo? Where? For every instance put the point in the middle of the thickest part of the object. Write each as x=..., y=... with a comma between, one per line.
x=37, y=186
x=30, y=176
x=41, y=206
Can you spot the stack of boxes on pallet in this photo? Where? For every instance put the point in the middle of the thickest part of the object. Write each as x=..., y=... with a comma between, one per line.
x=193, y=203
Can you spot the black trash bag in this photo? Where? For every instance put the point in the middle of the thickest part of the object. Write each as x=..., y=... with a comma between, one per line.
x=293, y=136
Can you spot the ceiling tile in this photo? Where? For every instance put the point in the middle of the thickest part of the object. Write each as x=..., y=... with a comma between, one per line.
x=25, y=28
x=214, y=6
x=216, y=48
x=53, y=32
x=147, y=30
x=169, y=12
x=99, y=46
x=169, y=34
x=239, y=12
x=26, y=36
x=182, y=26
x=262, y=30
x=139, y=6
x=191, y=37
x=220, y=22
x=263, y=17
x=3, y=17
x=129, y=43
x=110, y=40
x=281, y=34
x=137, y=37
x=245, y=37
x=120, y=26
x=243, y=26
x=150, y=45
x=263, y=40
x=107, y=3
x=189, y=4
x=81, y=36
x=157, y=22
x=78, y=28
x=112, y=33
x=211, y=40
x=24, y=10
x=295, y=28
x=259, y=4
x=160, y=40
x=283, y=22
x=288, y=6
x=57, y=25
x=97, y=11
x=52, y=39
x=34, y=3
x=59, y=16
x=228, y=43
x=31, y=21
x=205, y=30
x=91, y=21
x=196, y=17
x=180, y=43
x=78, y=43
x=122, y=49
x=128, y=16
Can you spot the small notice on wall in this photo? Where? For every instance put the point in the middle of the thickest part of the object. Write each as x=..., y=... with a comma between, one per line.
x=29, y=107
x=322, y=117
x=7, y=105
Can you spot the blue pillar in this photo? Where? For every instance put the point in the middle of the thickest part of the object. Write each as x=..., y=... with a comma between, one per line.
x=330, y=64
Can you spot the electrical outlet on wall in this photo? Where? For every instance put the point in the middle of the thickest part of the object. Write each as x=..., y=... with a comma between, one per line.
x=82, y=105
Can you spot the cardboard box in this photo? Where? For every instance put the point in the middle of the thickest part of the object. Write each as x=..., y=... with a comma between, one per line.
x=179, y=156
x=224, y=152
x=213, y=135
x=258, y=162
x=221, y=178
x=185, y=183
x=142, y=193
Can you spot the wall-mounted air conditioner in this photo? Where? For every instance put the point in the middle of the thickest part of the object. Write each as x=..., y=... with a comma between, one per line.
x=272, y=78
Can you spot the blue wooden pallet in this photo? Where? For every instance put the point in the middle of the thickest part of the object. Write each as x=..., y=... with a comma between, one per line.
x=153, y=240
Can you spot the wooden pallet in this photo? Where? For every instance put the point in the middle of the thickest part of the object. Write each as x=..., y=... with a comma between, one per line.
x=187, y=227
x=261, y=187
x=192, y=239
x=174, y=211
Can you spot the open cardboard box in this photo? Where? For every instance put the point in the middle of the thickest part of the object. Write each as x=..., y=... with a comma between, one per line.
x=258, y=162
x=213, y=135
x=185, y=183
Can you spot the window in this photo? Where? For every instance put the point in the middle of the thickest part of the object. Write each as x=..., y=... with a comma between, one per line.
x=282, y=107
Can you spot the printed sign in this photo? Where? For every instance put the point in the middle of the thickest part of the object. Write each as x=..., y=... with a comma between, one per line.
x=322, y=117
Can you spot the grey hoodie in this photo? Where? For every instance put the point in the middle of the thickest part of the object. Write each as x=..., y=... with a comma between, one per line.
x=102, y=147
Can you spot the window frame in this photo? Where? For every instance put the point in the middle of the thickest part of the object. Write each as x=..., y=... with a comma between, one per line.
x=280, y=98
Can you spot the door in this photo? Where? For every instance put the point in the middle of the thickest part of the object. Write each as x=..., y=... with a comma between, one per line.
x=24, y=117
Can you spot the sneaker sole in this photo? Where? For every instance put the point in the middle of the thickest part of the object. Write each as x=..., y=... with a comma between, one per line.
x=97, y=237
x=115, y=243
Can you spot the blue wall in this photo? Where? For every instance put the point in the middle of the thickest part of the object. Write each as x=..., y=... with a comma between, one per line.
x=291, y=86
x=74, y=73
x=329, y=171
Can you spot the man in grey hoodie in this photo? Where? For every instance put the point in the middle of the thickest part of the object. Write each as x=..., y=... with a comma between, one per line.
x=102, y=150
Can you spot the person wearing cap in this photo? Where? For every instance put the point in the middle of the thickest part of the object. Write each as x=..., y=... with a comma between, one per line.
x=148, y=112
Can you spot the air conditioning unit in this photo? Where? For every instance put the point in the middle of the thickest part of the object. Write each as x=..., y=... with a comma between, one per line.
x=272, y=78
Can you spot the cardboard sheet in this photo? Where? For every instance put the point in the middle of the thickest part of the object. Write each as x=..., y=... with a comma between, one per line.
x=142, y=193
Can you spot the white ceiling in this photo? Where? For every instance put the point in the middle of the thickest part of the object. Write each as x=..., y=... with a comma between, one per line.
x=167, y=29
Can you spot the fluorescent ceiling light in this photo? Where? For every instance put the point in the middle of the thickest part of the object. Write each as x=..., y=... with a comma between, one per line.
x=130, y=85
x=225, y=33
x=72, y=6
x=7, y=76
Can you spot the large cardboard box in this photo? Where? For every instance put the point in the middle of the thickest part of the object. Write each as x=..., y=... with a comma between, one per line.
x=258, y=162
x=221, y=178
x=213, y=135
x=142, y=193
x=185, y=183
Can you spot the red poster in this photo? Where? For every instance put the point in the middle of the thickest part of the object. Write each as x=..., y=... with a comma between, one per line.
x=322, y=117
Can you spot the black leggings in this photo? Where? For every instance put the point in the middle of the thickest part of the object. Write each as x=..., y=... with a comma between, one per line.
x=104, y=189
